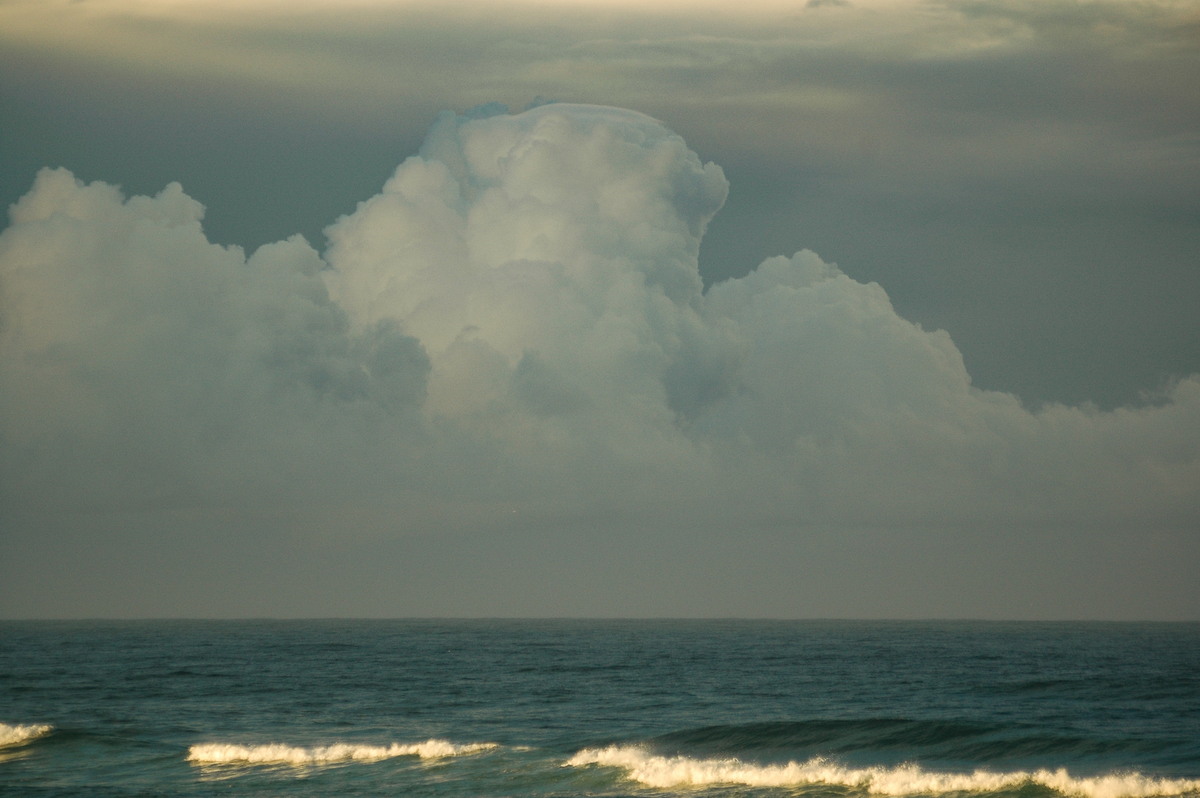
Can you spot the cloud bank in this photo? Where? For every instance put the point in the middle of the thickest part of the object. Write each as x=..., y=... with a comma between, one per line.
x=513, y=334
x=970, y=157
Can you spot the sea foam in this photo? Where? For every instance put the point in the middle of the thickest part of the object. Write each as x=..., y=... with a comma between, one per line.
x=278, y=753
x=661, y=771
x=14, y=735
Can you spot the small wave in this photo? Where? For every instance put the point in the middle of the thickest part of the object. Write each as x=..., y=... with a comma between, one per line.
x=15, y=735
x=277, y=753
x=829, y=736
x=895, y=740
x=664, y=772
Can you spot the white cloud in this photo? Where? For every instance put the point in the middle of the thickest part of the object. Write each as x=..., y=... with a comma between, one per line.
x=144, y=364
x=516, y=322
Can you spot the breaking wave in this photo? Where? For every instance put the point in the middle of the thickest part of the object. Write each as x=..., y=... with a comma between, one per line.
x=14, y=735
x=663, y=772
x=277, y=753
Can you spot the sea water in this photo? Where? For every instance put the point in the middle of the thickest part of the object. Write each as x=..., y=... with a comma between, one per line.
x=599, y=708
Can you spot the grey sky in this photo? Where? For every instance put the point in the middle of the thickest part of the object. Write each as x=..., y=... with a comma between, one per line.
x=1021, y=176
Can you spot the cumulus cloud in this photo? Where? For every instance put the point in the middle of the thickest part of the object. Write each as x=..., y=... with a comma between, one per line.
x=517, y=322
x=143, y=364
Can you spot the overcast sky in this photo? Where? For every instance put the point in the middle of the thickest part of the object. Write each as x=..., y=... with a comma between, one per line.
x=846, y=308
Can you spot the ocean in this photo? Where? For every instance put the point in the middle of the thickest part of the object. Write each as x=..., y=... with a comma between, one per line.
x=822, y=709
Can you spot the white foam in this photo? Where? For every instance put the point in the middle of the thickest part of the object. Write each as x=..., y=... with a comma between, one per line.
x=278, y=753
x=14, y=735
x=660, y=771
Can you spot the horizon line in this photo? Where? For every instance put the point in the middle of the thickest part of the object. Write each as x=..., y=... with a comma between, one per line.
x=593, y=618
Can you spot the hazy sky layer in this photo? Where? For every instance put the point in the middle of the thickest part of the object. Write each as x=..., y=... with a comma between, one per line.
x=861, y=309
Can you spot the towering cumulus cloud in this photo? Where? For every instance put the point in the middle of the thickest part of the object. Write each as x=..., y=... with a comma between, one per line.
x=546, y=261
x=516, y=324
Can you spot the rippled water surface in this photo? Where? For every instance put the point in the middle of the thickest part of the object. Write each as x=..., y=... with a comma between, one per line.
x=604, y=708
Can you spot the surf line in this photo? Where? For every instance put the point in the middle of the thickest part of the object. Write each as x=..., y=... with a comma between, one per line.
x=661, y=771
x=279, y=753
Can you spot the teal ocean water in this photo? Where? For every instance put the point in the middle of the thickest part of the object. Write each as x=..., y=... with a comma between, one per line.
x=599, y=708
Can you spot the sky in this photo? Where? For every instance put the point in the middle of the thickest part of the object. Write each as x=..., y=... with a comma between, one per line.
x=826, y=309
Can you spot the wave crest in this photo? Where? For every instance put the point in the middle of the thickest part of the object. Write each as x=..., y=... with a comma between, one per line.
x=15, y=735
x=278, y=753
x=662, y=772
